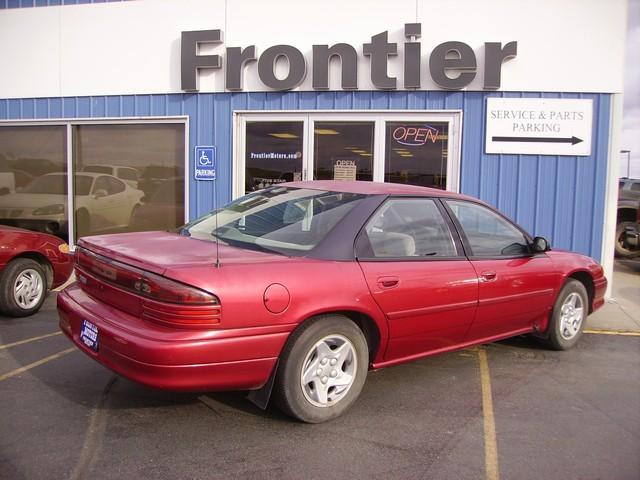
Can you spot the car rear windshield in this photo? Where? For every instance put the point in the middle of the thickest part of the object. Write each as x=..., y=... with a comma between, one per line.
x=285, y=220
x=98, y=169
x=160, y=172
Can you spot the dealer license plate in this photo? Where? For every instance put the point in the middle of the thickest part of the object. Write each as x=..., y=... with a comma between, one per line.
x=89, y=335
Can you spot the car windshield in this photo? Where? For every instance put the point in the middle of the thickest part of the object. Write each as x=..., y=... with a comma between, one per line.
x=280, y=219
x=57, y=185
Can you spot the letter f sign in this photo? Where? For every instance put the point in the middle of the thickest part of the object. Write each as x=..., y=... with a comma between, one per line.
x=191, y=61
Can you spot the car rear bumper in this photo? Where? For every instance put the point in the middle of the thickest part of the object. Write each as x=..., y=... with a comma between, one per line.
x=168, y=358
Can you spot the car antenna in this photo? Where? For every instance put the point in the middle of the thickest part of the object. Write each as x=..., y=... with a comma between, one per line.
x=215, y=209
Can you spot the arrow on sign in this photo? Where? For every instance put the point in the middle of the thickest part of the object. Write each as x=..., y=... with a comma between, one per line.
x=571, y=140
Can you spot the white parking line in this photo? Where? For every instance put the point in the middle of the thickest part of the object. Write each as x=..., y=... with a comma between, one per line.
x=32, y=339
x=36, y=364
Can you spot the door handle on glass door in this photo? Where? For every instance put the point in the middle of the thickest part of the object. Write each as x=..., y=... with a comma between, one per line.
x=388, y=282
x=488, y=276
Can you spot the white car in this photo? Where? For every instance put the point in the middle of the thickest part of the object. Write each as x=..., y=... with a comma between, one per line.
x=128, y=175
x=102, y=203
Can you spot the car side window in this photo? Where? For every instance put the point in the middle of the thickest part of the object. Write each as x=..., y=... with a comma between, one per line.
x=115, y=186
x=101, y=184
x=127, y=174
x=406, y=228
x=488, y=234
x=635, y=186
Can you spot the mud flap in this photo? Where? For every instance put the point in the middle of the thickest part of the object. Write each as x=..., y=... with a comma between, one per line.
x=260, y=398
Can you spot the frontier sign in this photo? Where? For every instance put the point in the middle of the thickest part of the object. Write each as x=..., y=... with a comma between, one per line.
x=452, y=65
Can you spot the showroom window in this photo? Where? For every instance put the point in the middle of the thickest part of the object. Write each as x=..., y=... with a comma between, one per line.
x=33, y=186
x=119, y=168
x=416, y=153
x=410, y=147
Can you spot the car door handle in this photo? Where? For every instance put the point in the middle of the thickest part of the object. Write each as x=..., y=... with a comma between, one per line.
x=388, y=282
x=488, y=276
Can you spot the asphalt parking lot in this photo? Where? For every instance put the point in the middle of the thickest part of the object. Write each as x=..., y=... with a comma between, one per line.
x=509, y=410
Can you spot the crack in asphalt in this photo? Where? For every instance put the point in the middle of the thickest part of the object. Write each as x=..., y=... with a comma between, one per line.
x=95, y=434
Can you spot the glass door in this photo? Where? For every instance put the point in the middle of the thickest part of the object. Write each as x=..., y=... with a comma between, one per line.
x=343, y=150
x=411, y=147
x=273, y=153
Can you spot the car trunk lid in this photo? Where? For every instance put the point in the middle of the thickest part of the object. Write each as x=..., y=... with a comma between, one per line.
x=157, y=251
x=136, y=273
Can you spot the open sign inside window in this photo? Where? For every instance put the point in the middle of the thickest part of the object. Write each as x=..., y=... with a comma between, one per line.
x=415, y=135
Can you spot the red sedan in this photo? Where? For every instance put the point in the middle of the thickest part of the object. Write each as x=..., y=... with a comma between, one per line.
x=301, y=288
x=30, y=264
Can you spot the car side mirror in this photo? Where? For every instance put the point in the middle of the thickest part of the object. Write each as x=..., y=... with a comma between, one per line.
x=540, y=245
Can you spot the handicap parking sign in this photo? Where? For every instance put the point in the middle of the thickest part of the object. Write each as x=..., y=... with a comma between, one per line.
x=205, y=168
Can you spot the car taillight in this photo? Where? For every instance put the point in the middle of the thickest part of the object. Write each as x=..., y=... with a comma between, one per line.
x=159, y=288
x=181, y=315
x=166, y=301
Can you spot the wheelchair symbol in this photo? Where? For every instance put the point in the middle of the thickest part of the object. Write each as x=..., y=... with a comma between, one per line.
x=203, y=159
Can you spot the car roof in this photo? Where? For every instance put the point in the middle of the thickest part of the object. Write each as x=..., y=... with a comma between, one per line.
x=109, y=166
x=79, y=174
x=374, y=188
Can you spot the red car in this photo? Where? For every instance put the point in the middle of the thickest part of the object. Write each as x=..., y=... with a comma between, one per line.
x=303, y=287
x=30, y=264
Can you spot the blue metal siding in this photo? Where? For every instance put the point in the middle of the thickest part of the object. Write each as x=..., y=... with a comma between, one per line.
x=559, y=197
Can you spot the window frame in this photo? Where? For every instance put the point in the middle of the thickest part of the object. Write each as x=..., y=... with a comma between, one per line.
x=379, y=117
x=70, y=123
x=459, y=247
x=465, y=241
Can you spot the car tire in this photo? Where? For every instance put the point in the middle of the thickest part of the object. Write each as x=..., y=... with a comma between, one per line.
x=620, y=250
x=333, y=381
x=23, y=287
x=568, y=316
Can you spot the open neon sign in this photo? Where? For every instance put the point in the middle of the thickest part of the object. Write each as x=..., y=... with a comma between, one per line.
x=415, y=136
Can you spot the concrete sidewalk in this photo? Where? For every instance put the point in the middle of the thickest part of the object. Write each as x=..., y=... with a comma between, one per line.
x=622, y=310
